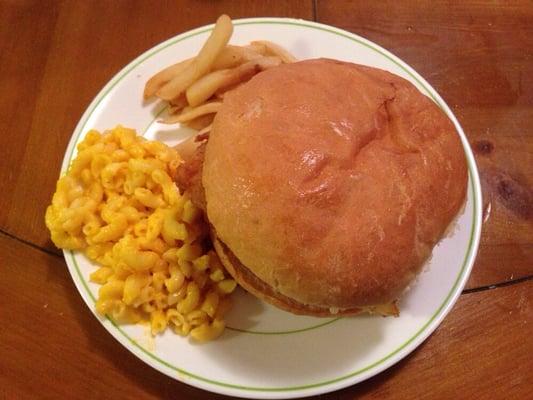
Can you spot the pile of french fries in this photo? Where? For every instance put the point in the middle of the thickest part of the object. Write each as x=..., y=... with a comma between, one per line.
x=195, y=88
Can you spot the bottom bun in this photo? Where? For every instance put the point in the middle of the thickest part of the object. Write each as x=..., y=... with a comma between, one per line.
x=260, y=289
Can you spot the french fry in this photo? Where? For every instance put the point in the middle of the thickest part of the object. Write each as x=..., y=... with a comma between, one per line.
x=258, y=48
x=192, y=113
x=263, y=64
x=177, y=104
x=162, y=77
x=216, y=70
x=221, y=93
x=276, y=50
x=232, y=56
x=172, y=109
x=200, y=122
x=205, y=87
x=268, y=62
x=206, y=129
x=203, y=134
x=201, y=65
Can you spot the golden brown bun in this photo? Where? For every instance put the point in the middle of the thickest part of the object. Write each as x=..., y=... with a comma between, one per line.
x=331, y=182
x=260, y=289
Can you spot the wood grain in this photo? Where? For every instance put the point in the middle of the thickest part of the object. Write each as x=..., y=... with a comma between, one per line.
x=481, y=351
x=51, y=346
x=502, y=142
x=479, y=57
x=56, y=56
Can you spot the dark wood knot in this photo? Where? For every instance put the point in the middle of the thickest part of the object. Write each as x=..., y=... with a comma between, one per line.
x=483, y=147
x=516, y=197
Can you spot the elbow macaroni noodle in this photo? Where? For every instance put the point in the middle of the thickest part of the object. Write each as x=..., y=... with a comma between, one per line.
x=118, y=203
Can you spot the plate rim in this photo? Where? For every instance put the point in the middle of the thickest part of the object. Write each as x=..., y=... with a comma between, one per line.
x=331, y=384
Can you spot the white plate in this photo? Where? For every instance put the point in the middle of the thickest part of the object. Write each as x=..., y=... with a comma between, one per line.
x=267, y=353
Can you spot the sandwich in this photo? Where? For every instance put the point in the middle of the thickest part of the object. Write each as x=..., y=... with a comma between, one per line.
x=326, y=185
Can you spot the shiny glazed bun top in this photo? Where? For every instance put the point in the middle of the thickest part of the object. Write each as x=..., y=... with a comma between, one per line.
x=329, y=183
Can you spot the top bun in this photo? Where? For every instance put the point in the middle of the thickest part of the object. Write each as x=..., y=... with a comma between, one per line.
x=331, y=182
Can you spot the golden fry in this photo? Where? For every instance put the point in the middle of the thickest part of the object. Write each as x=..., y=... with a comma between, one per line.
x=268, y=62
x=162, y=77
x=202, y=64
x=200, y=122
x=233, y=56
x=187, y=115
x=205, y=130
x=230, y=57
x=276, y=50
x=217, y=69
x=257, y=47
x=177, y=105
x=205, y=87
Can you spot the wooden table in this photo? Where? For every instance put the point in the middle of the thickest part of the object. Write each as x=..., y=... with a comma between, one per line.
x=56, y=55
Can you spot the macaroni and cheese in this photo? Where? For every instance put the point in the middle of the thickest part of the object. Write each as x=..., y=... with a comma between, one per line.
x=118, y=203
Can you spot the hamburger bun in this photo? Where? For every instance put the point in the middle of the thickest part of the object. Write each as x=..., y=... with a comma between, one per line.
x=327, y=184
